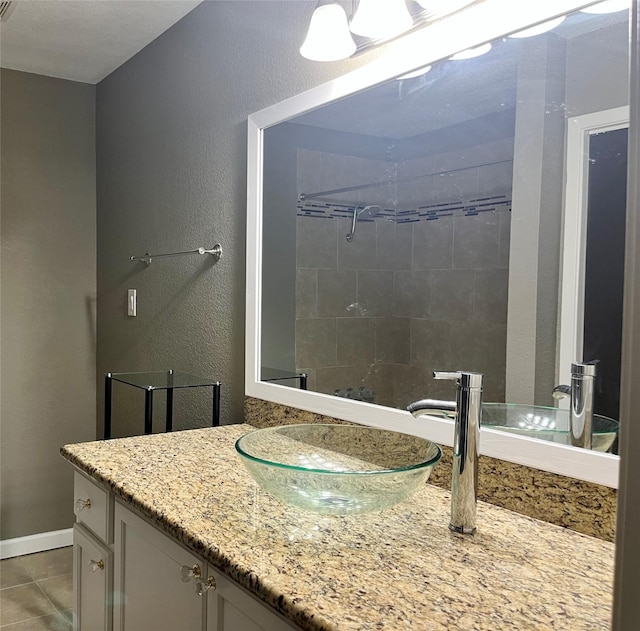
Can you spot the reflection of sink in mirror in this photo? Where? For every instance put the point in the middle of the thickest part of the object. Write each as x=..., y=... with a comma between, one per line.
x=337, y=469
x=546, y=423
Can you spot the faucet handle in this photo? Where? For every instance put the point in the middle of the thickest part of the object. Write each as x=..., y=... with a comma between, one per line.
x=464, y=378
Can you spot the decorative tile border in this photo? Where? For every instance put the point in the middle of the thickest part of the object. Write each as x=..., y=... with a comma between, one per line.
x=331, y=210
x=427, y=212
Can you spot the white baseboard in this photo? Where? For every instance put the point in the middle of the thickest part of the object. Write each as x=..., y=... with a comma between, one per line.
x=36, y=543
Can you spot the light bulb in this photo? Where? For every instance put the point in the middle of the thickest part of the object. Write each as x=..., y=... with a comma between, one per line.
x=328, y=38
x=538, y=29
x=381, y=19
x=608, y=6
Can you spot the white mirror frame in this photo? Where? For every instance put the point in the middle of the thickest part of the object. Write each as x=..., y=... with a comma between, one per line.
x=579, y=131
x=435, y=42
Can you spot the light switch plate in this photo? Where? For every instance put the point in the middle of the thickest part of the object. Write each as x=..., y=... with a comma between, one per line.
x=132, y=302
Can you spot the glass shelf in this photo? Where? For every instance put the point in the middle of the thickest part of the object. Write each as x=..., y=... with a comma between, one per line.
x=168, y=380
x=161, y=380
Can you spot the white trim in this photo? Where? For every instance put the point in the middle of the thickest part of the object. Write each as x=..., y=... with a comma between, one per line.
x=254, y=252
x=573, y=462
x=36, y=543
x=579, y=131
x=479, y=23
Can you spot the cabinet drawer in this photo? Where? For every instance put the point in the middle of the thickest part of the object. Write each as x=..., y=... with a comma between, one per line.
x=91, y=504
x=92, y=582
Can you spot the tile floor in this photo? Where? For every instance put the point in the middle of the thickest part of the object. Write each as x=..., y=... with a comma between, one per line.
x=36, y=591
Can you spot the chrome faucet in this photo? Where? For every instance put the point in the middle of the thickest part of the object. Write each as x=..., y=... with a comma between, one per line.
x=580, y=394
x=467, y=411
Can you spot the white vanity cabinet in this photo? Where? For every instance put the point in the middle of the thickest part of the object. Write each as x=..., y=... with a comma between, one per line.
x=133, y=577
x=92, y=556
x=231, y=608
x=148, y=585
x=92, y=580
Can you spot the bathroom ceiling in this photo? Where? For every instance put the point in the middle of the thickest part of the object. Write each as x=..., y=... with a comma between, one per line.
x=83, y=40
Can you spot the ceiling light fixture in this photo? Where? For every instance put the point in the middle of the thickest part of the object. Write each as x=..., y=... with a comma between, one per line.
x=608, y=6
x=341, y=28
x=328, y=37
x=470, y=53
x=6, y=9
x=538, y=29
x=381, y=19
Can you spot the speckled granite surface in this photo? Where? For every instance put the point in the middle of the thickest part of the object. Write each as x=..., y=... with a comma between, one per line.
x=582, y=506
x=397, y=570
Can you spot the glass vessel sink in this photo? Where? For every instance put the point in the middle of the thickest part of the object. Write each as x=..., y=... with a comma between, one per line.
x=546, y=423
x=337, y=469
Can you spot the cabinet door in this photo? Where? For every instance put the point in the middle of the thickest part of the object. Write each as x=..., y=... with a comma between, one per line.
x=231, y=608
x=92, y=577
x=150, y=570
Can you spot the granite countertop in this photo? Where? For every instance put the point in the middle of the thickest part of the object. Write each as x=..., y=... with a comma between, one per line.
x=399, y=569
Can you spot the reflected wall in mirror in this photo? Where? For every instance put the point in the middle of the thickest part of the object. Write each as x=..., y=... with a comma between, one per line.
x=421, y=224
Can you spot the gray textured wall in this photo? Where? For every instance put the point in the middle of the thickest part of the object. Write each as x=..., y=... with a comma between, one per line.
x=48, y=283
x=171, y=137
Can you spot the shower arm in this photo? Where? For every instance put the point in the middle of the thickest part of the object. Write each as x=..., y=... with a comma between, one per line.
x=368, y=211
x=353, y=224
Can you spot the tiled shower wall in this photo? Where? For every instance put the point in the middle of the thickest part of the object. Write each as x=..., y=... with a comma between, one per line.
x=421, y=287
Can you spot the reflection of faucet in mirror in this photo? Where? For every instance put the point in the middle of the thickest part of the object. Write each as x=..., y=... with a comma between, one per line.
x=468, y=413
x=580, y=394
x=368, y=212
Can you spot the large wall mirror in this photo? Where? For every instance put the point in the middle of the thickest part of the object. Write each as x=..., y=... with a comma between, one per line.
x=467, y=215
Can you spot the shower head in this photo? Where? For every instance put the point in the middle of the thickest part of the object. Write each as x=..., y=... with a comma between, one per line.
x=368, y=212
